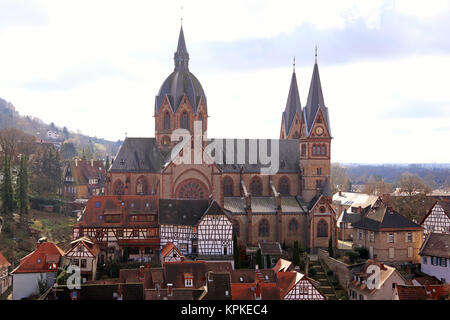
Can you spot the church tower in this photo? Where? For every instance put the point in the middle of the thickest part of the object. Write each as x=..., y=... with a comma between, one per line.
x=315, y=140
x=180, y=101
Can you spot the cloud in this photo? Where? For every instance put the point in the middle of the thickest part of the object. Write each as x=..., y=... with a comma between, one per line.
x=20, y=12
x=397, y=35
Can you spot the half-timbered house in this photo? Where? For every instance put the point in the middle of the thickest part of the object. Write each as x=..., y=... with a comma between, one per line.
x=170, y=253
x=196, y=227
x=84, y=254
x=296, y=286
x=124, y=227
x=437, y=219
x=83, y=179
x=5, y=278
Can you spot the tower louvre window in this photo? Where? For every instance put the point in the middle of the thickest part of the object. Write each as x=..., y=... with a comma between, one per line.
x=166, y=120
x=184, y=123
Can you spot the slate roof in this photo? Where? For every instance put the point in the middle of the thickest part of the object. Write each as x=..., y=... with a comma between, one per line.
x=186, y=212
x=436, y=245
x=138, y=155
x=293, y=105
x=385, y=218
x=263, y=205
x=288, y=152
x=349, y=217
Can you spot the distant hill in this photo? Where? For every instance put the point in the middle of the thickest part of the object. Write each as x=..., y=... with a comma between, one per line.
x=437, y=173
x=90, y=146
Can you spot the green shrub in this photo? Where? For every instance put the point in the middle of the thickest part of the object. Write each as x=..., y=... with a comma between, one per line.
x=363, y=252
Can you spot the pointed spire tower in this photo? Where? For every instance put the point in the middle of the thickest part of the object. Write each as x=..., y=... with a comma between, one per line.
x=181, y=57
x=315, y=140
x=180, y=101
x=290, y=126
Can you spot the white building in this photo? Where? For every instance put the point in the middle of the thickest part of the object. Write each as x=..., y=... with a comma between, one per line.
x=435, y=256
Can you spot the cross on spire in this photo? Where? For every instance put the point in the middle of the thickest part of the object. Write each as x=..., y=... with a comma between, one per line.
x=316, y=54
x=181, y=10
x=294, y=64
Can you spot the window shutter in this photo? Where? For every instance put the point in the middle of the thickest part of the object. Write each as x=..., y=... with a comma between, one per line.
x=387, y=235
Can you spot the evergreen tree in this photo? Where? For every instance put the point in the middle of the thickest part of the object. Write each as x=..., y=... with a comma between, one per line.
x=22, y=186
x=107, y=163
x=259, y=259
x=7, y=191
x=66, y=133
x=236, y=253
x=296, y=254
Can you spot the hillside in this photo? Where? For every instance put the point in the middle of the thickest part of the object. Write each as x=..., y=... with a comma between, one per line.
x=96, y=147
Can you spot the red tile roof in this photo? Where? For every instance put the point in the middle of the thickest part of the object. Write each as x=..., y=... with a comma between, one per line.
x=286, y=281
x=168, y=247
x=123, y=206
x=3, y=262
x=83, y=170
x=427, y=292
x=247, y=291
x=38, y=261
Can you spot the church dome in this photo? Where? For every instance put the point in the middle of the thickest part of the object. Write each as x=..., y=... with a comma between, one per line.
x=181, y=81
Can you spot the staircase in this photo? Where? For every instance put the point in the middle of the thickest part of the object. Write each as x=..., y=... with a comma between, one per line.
x=325, y=287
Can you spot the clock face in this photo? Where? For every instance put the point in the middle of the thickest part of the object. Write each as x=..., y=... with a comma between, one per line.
x=319, y=131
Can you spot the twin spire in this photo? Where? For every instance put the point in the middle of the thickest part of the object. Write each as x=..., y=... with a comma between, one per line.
x=314, y=103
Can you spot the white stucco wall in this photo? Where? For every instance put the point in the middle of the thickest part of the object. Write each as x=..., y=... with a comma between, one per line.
x=26, y=284
x=437, y=271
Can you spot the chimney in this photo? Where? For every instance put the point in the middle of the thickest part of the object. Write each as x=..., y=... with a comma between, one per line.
x=76, y=162
x=169, y=289
x=141, y=272
x=92, y=162
x=340, y=193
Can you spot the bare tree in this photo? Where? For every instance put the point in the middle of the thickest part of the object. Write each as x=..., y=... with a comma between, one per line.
x=412, y=184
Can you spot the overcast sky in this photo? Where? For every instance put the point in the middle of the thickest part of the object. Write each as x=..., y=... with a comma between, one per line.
x=96, y=66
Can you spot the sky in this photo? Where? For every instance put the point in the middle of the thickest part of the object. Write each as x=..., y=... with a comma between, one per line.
x=96, y=66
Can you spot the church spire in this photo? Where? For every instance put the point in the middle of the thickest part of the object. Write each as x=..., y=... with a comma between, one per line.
x=315, y=98
x=181, y=56
x=293, y=104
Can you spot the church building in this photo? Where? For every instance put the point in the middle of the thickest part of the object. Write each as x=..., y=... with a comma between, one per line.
x=293, y=203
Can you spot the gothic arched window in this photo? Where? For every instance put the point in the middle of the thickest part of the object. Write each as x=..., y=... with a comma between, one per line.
x=141, y=186
x=119, y=187
x=293, y=226
x=322, y=229
x=256, y=187
x=236, y=228
x=228, y=187
x=263, y=229
x=184, y=122
x=314, y=150
x=323, y=150
x=283, y=187
x=166, y=120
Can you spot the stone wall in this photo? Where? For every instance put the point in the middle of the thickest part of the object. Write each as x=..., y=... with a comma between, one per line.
x=340, y=269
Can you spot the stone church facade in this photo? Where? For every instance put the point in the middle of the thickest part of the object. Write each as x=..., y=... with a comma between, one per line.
x=294, y=203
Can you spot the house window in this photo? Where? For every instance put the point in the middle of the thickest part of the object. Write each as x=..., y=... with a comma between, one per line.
x=323, y=150
x=443, y=262
x=141, y=186
x=188, y=282
x=391, y=237
x=409, y=236
x=322, y=229
x=83, y=263
x=303, y=149
x=264, y=228
x=361, y=235
x=410, y=252
x=372, y=236
x=319, y=171
x=424, y=260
